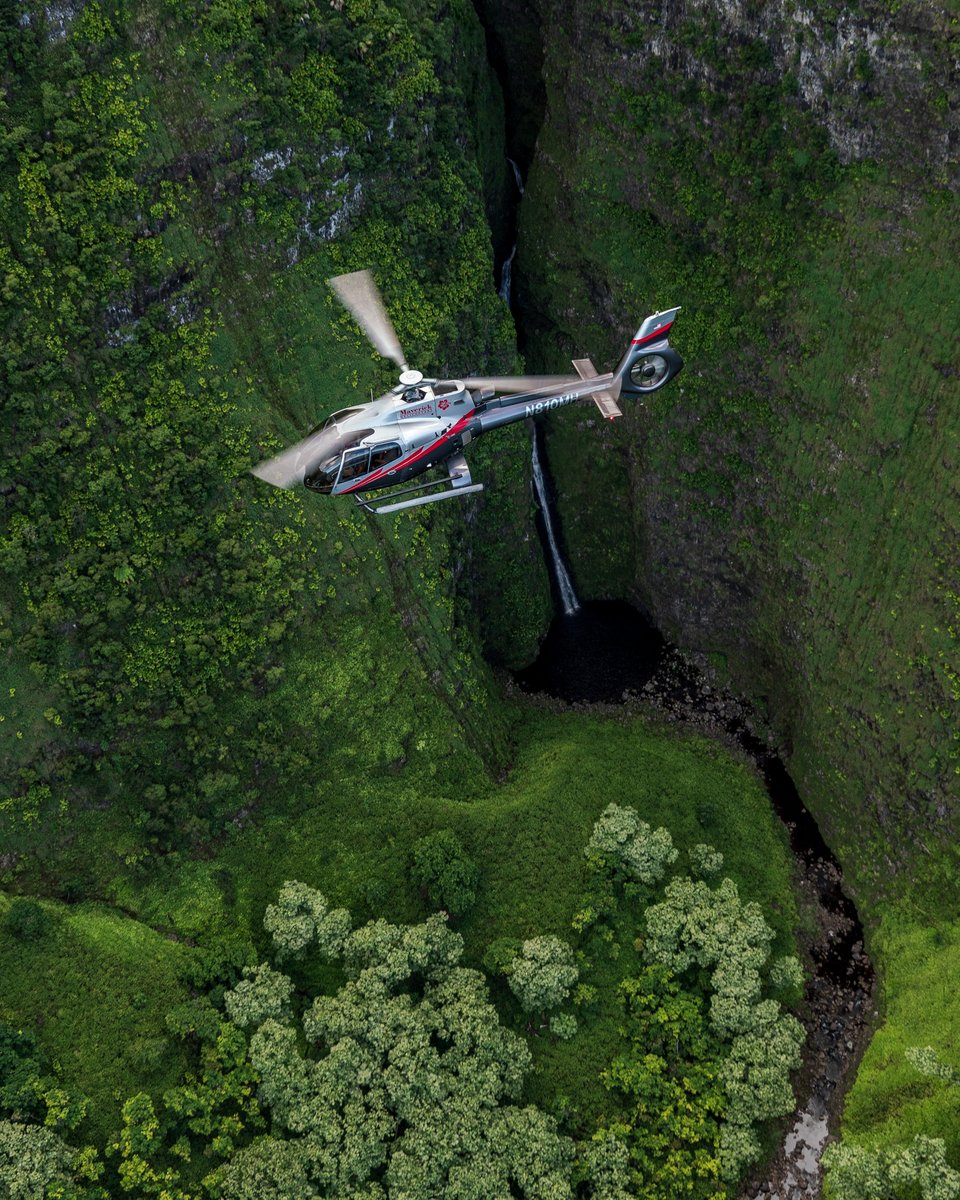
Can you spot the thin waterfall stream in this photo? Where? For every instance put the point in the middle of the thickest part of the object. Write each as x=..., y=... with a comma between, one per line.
x=561, y=576
x=506, y=276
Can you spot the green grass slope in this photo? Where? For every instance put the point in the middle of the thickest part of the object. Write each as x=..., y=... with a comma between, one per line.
x=891, y=1100
x=352, y=838
x=94, y=989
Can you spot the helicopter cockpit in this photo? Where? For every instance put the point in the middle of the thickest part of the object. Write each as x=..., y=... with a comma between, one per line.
x=339, y=455
x=340, y=451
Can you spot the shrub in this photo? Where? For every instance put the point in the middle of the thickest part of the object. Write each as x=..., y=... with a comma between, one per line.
x=705, y=860
x=26, y=920
x=563, y=1026
x=501, y=954
x=444, y=872
x=543, y=974
x=624, y=844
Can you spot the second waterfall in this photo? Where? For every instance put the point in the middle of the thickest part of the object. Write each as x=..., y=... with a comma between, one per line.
x=568, y=596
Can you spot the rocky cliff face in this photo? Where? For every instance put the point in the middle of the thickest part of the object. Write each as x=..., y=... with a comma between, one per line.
x=789, y=511
x=876, y=77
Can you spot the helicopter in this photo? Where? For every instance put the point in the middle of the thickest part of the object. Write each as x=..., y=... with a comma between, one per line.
x=425, y=424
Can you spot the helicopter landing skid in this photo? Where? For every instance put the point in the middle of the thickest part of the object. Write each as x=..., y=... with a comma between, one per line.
x=458, y=479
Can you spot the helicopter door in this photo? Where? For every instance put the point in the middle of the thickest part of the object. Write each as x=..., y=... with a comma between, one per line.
x=384, y=454
x=355, y=463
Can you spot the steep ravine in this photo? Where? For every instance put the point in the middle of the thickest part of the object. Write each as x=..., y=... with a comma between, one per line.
x=789, y=512
x=602, y=654
x=607, y=654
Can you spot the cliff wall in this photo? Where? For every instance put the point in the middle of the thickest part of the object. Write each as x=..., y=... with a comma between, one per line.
x=789, y=511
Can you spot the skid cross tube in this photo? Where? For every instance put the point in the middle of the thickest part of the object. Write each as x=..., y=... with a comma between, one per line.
x=453, y=490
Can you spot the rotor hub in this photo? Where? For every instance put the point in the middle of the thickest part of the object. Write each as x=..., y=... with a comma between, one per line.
x=411, y=378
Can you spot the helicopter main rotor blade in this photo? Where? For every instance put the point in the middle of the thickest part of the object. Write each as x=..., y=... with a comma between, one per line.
x=359, y=294
x=288, y=468
x=519, y=383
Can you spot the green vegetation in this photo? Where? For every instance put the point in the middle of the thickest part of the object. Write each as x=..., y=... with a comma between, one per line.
x=94, y=991
x=893, y=1099
x=542, y=974
x=444, y=873
x=534, y=829
x=162, y=194
x=36, y=1162
x=212, y=689
x=919, y=1169
x=417, y=1078
x=709, y=1052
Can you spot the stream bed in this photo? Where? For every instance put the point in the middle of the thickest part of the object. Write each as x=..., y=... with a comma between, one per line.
x=607, y=654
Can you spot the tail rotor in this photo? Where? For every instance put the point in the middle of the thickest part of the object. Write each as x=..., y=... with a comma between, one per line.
x=650, y=360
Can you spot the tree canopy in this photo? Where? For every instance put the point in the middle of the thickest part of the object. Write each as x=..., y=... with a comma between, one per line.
x=409, y=1082
x=443, y=871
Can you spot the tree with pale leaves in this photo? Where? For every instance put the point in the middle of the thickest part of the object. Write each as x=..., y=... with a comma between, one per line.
x=917, y=1171
x=623, y=843
x=543, y=974
x=301, y=919
x=408, y=1084
x=36, y=1164
x=696, y=926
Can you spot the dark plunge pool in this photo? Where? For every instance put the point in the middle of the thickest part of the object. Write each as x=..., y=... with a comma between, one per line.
x=597, y=654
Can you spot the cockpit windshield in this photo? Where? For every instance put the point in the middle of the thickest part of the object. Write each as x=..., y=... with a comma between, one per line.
x=326, y=454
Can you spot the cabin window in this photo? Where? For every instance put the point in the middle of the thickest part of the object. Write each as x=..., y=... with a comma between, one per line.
x=386, y=453
x=355, y=464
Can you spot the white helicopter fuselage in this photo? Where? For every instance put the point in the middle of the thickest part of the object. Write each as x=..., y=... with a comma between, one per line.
x=399, y=435
x=426, y=423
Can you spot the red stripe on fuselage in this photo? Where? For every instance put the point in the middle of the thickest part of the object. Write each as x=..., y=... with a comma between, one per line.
x=657, y=333
x=412, y=457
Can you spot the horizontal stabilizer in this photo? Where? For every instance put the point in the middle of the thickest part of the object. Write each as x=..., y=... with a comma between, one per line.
x=604, y=400
x=607, y=405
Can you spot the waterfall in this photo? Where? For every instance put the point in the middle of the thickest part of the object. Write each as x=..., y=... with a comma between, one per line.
x=568, y=597
x=517, y=177
x=506, y=275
